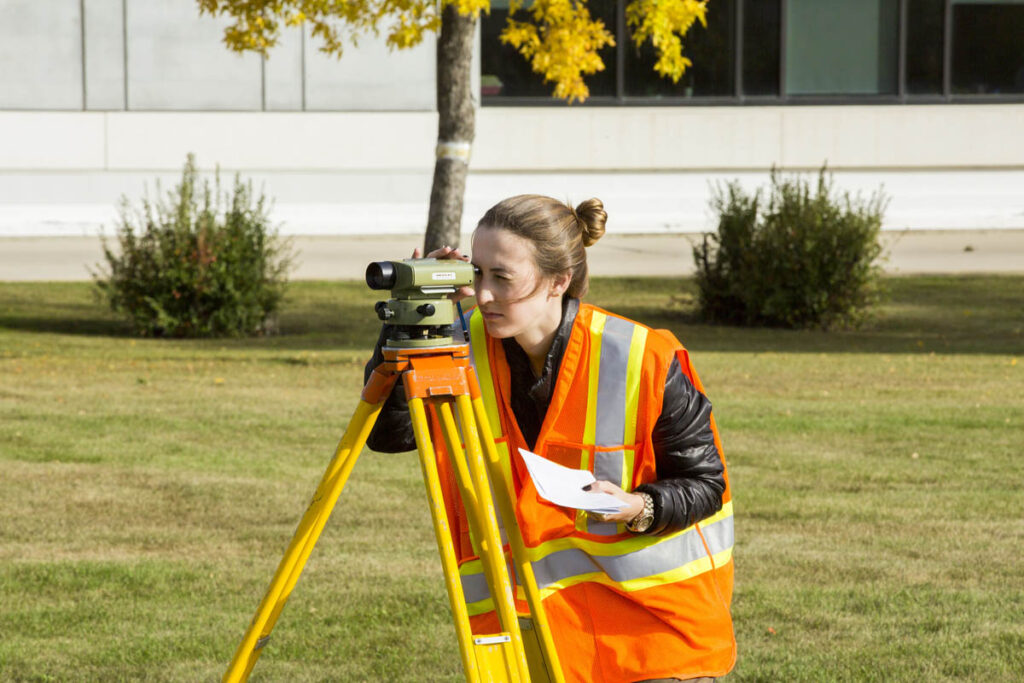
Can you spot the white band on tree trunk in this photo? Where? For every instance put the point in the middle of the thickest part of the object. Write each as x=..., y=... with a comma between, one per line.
x=453, y=150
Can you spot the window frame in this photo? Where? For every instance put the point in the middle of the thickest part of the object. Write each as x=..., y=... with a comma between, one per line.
x=737, y=98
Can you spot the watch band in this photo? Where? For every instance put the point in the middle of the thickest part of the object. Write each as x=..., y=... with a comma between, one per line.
x=642, y=522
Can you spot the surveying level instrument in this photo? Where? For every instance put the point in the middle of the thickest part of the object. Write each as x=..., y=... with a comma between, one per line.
x=444, y=396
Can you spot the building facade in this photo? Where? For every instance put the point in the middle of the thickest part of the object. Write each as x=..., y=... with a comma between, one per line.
x=924, y=97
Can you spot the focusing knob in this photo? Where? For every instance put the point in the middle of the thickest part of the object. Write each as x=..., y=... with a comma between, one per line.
x=383, y=312
x=425, y=309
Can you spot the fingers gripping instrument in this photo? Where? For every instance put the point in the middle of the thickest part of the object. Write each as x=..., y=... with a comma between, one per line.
x=442, y=389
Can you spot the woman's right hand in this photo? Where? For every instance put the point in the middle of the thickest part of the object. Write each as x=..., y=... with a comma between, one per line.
x=449, y=253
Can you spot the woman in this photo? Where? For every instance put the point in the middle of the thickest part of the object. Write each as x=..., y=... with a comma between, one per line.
x=642, y=594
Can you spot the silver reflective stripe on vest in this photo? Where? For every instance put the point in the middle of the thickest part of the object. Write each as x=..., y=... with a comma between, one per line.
x=474, y=586
x=720, y=535
x=610, y=427
x=608, y=466
x=655, y=559
x=670, y=554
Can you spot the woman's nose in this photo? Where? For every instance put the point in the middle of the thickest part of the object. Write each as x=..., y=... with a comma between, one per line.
x=483, y=294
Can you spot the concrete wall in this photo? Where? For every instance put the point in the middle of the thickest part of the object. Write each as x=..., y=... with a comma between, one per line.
x=161, y=55
x=41, y=50
x=100, y=98
x=362, y=173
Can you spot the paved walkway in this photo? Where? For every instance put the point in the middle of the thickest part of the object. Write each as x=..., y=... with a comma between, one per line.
x=331, y=258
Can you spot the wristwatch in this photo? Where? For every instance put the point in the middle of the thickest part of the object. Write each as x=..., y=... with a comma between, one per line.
x=642, y=522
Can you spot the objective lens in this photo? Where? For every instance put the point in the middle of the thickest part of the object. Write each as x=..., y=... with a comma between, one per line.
x=381, y=275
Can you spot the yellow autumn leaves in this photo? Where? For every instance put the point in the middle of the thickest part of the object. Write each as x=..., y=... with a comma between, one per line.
x=665, y=22
x=562, y=41
x=559, y=38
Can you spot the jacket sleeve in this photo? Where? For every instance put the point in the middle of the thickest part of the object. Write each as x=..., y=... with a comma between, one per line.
x=691, y=476
x=392, y=433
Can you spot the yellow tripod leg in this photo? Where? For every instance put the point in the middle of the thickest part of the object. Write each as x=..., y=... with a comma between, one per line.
x=515, y=539
x=302, y=543
x=442, y=533
x=484, y=525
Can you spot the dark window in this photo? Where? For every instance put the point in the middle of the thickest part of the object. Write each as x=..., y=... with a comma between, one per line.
x=761, y=24
x=925, y=19
x=603, y=82
x=503, y=71
x=842, y=50
x=988, y=48
x=711, y=50
x=841, y=47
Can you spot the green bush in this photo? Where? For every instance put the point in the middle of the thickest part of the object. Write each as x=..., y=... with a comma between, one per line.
x=199, y=263
x=807, y=259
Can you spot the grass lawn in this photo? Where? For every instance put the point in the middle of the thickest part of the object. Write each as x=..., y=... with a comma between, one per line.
x=149, y=487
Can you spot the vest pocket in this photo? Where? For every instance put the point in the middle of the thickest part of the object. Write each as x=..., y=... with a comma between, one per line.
x=608, y=466
x=541, y=520
x=606, y=463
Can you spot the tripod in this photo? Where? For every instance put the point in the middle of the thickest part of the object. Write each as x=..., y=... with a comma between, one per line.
x=436, y=379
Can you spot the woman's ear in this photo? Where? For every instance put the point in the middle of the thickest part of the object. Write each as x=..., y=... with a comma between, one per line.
x=560, y=283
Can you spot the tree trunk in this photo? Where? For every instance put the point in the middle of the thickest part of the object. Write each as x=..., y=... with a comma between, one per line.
x=455, y=128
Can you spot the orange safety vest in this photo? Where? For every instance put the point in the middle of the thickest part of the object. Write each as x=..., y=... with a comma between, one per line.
x=621, y=607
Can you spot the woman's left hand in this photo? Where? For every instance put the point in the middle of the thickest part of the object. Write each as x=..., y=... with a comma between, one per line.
x=447, y=252
x=635, y=503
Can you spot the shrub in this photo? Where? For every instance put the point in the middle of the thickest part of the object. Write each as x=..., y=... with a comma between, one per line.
x=199, y=263
x=808, y=259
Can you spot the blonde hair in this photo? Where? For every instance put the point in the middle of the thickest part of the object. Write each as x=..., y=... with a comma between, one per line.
x=557, y=232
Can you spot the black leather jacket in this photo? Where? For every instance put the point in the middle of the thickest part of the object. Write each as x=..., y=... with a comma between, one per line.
x=690, y=472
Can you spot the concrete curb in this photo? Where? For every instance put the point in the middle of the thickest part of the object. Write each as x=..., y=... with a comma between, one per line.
x=345, y=258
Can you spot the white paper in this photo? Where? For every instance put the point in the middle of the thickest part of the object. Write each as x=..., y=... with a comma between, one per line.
x=564, y=486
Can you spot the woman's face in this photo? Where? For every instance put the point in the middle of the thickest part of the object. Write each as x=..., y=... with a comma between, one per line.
x=513, y=297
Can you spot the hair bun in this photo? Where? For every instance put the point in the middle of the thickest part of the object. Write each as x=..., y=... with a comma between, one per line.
x=591, y=216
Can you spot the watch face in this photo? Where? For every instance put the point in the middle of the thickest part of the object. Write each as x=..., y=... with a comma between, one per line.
x=642, y=524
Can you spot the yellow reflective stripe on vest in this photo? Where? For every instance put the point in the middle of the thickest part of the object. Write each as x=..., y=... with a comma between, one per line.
x=482, y=365
x=636, y=360
x=597, y=321
x=593, y=376
x=633, y=368
x=629, y=565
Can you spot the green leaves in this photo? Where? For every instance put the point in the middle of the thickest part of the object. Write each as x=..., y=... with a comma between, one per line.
x=198, y=263
x=806, y=259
